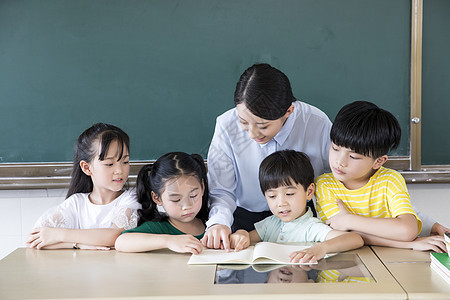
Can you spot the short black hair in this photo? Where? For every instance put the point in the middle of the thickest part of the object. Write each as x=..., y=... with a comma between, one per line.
x=285, y=167
x=366, y=129
x=265, y=91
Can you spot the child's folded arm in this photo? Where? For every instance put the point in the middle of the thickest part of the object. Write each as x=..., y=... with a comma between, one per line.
x=143, y=242
x=434, y=243
x=44, y=237
x=97, y=236
x=401, y=228
x=338, y=241
x=132, y=242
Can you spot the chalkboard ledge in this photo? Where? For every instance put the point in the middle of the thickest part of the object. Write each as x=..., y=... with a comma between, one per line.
x=428, y=174
x=18, y=176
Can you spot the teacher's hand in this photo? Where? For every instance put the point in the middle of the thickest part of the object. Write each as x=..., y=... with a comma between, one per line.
x=217, y=237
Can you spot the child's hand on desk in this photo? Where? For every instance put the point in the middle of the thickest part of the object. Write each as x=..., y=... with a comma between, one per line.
x=341, y=219
x=239, y=240
x=43, y=236
x=439, y=229
x=184, y=244
x=433, y=242
x=308, y=255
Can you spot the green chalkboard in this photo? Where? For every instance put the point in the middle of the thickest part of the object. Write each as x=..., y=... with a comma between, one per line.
x=436, y=82
x=164, y=70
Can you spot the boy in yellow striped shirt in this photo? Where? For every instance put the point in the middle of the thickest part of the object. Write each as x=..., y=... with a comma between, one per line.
x=360, y=194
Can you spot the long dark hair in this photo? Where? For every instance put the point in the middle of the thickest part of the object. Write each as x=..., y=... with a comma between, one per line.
x=86, y=148
x=153, y=177
x=265, y=91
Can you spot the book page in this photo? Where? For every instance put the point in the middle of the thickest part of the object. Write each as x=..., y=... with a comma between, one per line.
x=214, y=256
x=272, y=253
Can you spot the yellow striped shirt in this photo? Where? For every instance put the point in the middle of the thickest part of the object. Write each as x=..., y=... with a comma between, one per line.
x=384, y=196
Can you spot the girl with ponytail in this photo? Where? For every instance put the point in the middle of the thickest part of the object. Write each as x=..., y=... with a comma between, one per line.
x=177, y=183
x=174, y=194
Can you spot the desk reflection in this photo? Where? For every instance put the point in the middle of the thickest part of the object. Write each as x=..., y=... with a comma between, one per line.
x=342, y=268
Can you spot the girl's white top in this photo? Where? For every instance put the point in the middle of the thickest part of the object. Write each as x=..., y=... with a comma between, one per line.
x=77, y=212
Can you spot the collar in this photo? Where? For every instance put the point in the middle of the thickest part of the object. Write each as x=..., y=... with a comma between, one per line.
x=285, y=130
x=308, y=214
x=283, y=134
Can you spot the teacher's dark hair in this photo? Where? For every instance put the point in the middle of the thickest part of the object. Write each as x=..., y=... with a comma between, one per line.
x=265, y=91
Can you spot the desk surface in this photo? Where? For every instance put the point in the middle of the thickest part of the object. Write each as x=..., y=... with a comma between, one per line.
x=412, y=271
x=387, y=254
x=419, y=280
x=29, y=273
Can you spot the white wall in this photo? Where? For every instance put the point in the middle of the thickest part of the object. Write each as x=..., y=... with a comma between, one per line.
x=432, y=199
x=20, y=209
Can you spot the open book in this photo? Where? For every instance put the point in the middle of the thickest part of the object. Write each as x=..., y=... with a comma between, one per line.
x=261, y=253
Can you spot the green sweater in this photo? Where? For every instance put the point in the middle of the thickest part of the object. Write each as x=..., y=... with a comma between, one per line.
x=163, y=227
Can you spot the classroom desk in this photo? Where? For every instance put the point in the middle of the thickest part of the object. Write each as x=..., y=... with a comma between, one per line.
x=395, y=255
x=30, y=273
x=412, y=271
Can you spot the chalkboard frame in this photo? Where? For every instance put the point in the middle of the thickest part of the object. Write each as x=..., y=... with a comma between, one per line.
x=57, y=175
x=416, y=83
